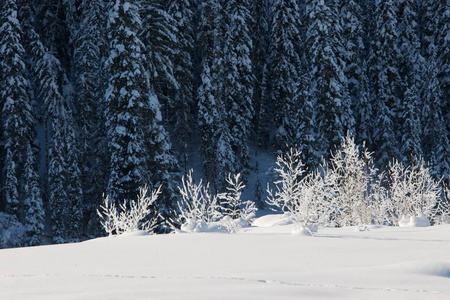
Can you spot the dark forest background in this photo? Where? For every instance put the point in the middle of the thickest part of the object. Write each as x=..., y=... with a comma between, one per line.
x=102, y=97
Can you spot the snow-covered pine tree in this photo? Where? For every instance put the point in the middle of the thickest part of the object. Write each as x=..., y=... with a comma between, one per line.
x=384, y=76
x=56, y=116
x=259, y=11
x=90, y=81
x=411, y=127
x=209, y=28
x=435, y=141
x=139, y=146
x=21, y=180
x=427, y=25
x=183, y=98
x=411, y=69
x=208, y=121
x=329, y=87
x=442, y=43
x=33, y=207
x=284, y=65
x=214, y=133
x=53, y=31
x=127, y=102
x=159, y=35
x=74, y=184
x=364, y=110
x=408, y=43
x=238, y=85
x=351, y=21
x=15, y=102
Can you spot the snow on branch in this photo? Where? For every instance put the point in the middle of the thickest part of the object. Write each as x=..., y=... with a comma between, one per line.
x=231, y=201
x=130, y=216
x=299, y=195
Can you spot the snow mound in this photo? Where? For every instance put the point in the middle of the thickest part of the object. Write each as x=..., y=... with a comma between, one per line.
x=134, y=234
x=429, y=268
x=226, y=225
x=412, y=221
x=272, y=220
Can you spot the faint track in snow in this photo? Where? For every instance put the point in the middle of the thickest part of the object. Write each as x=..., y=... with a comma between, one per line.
x=242, y=279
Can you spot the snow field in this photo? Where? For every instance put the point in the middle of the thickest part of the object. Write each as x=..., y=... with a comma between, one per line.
x=264, y=261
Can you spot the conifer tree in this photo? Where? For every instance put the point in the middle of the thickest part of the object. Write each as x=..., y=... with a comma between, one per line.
x=33, y=207
x=351, y=21
x=159, y=35
x=364, y=110
x=139, y=146
x=15, y=101
x=284, y=69
x=411, y=128
x=211, y=114
x=88, y=63
x=259, y=11
x=435, y=141
x=442, y=44
x=238, y=77
x=411, y=69
x=329, y=87
x=183, y=97
x=127, y=99
x=56, y=118
x=22, y=190
x=208, y=120
x=54, y=34
x=385, y=78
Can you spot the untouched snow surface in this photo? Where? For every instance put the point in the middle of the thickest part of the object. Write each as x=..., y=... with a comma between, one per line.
x=261, y=262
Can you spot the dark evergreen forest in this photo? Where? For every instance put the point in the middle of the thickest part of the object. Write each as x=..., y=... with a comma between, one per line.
x=102, y=97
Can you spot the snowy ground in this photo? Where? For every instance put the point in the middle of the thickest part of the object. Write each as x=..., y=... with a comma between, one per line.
x=261, y=262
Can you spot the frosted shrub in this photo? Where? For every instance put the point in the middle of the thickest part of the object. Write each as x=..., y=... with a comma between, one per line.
x=441, y=212
x=197, y=203
x=231, y=202
x=351, y=173
x=200, y=211
x=130, y=216
x=413, y=191
x=380, y=202
x=302, y=197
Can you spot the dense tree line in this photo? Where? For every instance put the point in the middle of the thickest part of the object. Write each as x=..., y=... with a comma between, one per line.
x=102, y=97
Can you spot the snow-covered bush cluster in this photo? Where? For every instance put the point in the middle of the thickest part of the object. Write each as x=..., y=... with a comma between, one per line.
x=130, y=216
x=200, y=210
x=350, y=191
x=346, y=191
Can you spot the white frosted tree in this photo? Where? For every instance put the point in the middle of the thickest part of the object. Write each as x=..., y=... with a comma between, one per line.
x=231, y=200
x=130, y=215
x=351, y=173
x=197, y=204
x=302, y=196
x=413, y=191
